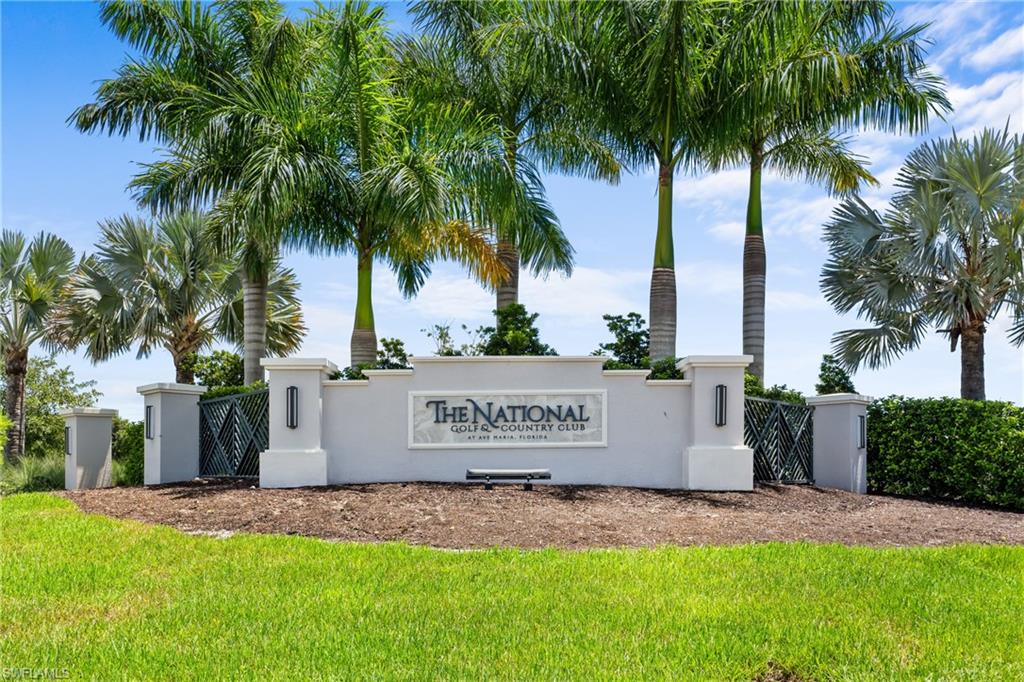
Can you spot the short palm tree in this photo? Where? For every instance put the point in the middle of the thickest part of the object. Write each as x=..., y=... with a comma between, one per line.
x=818, y=66
x=339, y=157
x=167, y=286
x=946, y=254
x=190, y=49
x=534, y=117
x=33, y=277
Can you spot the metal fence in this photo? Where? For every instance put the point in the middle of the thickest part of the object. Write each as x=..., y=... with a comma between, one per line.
x=233, y=431
x=781, y=435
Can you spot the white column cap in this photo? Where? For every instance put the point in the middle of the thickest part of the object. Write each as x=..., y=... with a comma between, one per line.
x=190, y=389
x=88, y=412
x=840, y=399
x=714, y=361
x=322, y=364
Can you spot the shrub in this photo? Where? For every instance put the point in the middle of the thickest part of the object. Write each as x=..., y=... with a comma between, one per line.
x=666, y=368
x=631, y=347
x=444, y=344
x=753, y=388
x=390, y=355
x=221, y=391
x=963, y=450
x=34, y=474
x=5, y=424
x=514, y=334
x=219, y=368
x=833, y=378
x=128, y=452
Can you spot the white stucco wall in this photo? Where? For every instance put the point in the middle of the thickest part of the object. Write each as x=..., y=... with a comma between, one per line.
x=366, y=424
x=358, y=431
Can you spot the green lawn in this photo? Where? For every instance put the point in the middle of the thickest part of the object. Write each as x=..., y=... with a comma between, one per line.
x=106, y=598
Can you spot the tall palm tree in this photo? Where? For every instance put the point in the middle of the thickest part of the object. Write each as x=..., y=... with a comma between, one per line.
x=167, y=286
x=189, y=48
x=534, y=116
x=819, y=67
x=646, y=64
x=32, y=279
x=337, y=157
x=946, y=254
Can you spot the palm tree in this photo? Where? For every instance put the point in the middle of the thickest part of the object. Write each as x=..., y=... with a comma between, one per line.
x=168, y=286
x=32, y=280
x=818, y=66
x=946, y=254
x=336, y=158
x=647, y=65
x=188, y=48
x=536, y=119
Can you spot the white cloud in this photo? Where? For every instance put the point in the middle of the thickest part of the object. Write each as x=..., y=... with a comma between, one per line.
x=960, y=27
x=1001, y=50
x=732, y=231
x=710, y=277
x=799, y=216
x=1000, y=98
x=793, y=300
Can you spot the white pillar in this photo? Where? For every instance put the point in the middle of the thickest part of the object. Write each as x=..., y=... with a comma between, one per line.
x=840, y=441
x=87, y=447
x=295, y=456
x=717, y=457
x=171, y=432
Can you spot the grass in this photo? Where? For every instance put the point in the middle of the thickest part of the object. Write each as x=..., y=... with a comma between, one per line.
x=33, y=474
x=104, y=598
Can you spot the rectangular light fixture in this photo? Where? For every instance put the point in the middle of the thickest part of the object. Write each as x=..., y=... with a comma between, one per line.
x=149, y=422
x=67, y=441
x=291, y=414
x=862, y=431
x=720, y=405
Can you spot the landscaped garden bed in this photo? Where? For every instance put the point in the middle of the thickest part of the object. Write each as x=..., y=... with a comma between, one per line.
x=463, y=516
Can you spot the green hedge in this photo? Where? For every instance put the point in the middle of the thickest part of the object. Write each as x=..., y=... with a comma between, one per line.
x=962, y=450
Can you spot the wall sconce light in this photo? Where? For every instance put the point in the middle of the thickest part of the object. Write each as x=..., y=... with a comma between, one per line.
x=720, y=405
x=291, y=413
x=149, y=422
x=67, y=441
x=862, y=432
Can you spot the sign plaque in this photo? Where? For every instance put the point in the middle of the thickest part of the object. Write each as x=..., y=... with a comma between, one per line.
x=508, y=419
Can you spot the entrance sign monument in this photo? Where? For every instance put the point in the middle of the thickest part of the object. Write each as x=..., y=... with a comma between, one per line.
x=566, y=416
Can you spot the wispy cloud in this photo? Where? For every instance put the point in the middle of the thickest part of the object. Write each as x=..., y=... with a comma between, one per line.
x=998, y=52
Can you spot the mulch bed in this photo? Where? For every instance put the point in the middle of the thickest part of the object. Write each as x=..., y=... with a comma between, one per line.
x=463, y=516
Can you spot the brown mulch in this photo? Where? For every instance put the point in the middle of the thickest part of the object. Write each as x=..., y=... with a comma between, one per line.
x=463, y=516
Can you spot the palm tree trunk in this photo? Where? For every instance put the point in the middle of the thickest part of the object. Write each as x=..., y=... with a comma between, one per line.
x=183, y=373
x=972, y=361
x=16, y=368
x=364, y=337
x=663, y=276
x=508, y=290
x=754, y=269
x=254, y=323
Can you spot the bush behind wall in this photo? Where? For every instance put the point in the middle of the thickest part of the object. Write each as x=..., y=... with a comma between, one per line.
x=967, y=451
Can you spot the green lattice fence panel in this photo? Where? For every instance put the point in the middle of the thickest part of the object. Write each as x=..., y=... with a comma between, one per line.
x=781, y=436
x=233, y=431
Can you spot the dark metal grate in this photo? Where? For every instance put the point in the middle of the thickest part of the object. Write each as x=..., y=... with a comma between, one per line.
x=781, y=435
x=233, y=431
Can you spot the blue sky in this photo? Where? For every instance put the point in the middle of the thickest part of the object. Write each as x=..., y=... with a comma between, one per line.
x=56, y=179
